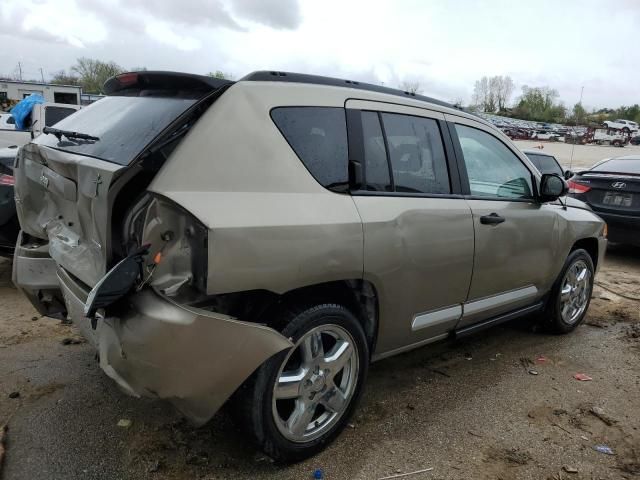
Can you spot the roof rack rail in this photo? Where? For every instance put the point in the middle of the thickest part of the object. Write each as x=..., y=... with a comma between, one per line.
x=277, y=76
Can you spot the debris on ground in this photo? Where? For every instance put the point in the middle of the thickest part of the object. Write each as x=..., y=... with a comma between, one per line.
x=603, y=449
x=541, y=359
x=72, y=341
x=34, y=319
x=318, y=474
x=601, y=414
x=14, y=395
x=533, y=372
x=582, y=377
x=124, y=423
x=399, y=475
x=569, y=469
x=468, y=356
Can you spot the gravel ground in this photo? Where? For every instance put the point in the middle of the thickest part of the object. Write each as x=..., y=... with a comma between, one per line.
x=583, y=155
x=467, y=409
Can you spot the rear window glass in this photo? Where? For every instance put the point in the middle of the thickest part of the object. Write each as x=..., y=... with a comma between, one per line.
x=318, y=135
x=619, y=165
x=545, y=163
x=124, y=125
x=53, y=115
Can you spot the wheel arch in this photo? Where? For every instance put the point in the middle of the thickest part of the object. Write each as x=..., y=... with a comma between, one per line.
x=589, y=244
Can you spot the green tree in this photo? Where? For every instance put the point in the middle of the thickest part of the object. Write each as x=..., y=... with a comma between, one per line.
x=538, y=104
x=64, y=78
x=93, y=73
x=220, y=74
x=579, y=114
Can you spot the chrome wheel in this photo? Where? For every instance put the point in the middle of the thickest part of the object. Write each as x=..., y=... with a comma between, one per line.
x=315, y=383
x=575, y=291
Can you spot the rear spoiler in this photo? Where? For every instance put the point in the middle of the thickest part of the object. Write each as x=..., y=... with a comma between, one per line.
x=145, y=83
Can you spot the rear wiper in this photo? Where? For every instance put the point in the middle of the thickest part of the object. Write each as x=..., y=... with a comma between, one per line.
x=68, y=133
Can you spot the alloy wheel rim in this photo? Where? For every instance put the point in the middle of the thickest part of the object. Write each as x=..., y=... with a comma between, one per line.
x=315, y=383
x=575, y=292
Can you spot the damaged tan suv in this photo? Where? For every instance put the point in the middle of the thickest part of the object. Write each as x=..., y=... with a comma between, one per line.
x=264, y=240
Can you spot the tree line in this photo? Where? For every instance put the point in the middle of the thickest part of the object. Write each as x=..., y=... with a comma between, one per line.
x=540, y=104
x=90, y=74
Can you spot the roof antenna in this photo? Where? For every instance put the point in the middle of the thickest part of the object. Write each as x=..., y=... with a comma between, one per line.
x=573, y=145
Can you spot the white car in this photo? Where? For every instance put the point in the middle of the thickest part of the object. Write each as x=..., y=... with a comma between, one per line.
x=546, y=135
x=624, y=125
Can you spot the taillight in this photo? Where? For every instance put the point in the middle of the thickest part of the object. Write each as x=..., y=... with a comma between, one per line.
x=575, y=187
x=7, y=179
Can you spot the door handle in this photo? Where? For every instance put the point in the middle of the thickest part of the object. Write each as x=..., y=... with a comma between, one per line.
x=492, y=219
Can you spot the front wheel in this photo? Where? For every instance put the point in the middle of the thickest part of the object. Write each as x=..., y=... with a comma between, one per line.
x=298, y=401
x=571, y=294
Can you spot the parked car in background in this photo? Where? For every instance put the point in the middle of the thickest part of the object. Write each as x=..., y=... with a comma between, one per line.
x=9, y=226
x=547, y=163
x=626, y=126
x=612, y=189
x=42, y=115
x=546, y=135
x=357, y=223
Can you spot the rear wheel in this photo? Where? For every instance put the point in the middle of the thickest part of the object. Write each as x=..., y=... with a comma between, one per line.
x=571, y=294
x=299, y=400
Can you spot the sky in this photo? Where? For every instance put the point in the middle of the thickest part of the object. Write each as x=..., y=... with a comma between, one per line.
x=444, y=45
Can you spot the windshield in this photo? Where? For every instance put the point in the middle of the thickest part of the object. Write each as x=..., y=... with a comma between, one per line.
x=545, y=163
x=619, y=165
x=124, y=125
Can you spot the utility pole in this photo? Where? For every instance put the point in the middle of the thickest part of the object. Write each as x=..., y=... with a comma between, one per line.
x=41, y=75
x=19, y=71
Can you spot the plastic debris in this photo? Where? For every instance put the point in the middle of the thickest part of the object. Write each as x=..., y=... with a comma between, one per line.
x=570, y=469
x=603, y=449
x=406, y=474
x=22, y=110
x=583, y=377
x=124, y=423
x=318, y=474
x=541, y=359
x=533, y=372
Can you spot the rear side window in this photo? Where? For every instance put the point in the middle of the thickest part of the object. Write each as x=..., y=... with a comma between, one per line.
x=53, y=115
x=375, y=154
x=318, y=135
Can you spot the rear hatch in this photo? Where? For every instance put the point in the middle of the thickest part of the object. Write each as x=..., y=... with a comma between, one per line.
x=64, y=181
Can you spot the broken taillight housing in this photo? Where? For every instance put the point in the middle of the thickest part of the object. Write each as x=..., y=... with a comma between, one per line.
x=7, y=179
x=178, y=244
x=575, y=187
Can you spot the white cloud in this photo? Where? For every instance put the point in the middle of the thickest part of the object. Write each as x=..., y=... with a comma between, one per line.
x=444, y=45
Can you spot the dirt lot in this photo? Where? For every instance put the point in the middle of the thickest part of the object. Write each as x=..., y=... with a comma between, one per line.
x=583, y=155
x=467, y=409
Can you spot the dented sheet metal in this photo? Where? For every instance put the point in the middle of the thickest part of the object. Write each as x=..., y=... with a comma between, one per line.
x=194, y=358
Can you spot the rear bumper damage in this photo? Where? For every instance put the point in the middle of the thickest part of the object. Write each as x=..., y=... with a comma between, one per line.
x=158, y=348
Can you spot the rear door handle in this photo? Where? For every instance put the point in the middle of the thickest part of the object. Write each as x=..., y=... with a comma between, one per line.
x=492, y=219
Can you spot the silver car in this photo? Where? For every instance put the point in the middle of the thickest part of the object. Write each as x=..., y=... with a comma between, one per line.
x=263, y=241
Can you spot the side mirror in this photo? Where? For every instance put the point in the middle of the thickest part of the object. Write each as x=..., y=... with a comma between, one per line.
x=568, y=174
x=552, y=187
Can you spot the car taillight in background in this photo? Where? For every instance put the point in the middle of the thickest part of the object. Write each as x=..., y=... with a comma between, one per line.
x=7, y=179
x=575, y=187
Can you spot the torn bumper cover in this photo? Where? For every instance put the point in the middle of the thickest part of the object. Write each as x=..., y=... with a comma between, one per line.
x=194, y=358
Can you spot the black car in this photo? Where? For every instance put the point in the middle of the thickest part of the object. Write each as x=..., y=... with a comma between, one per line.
x=9, y=225
x=547, y=163
x=612, y=189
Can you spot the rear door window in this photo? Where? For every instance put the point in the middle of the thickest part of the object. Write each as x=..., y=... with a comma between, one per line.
x=318, y=135
x=124, y=125
x=416, y=152
x=375, y=154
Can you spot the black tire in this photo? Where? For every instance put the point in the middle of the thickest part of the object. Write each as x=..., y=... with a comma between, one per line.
x=254, y=399
x=552, y=318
